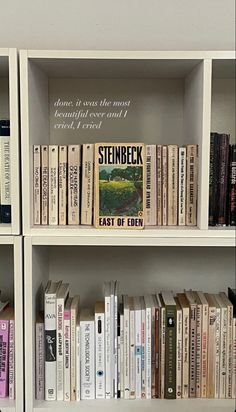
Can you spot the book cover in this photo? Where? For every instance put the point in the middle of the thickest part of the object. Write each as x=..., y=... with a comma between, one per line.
x=151, y=189
x=100, y=349
x=67, y=349
x=61, y=298
x=44, y=185
x=53, y=185
x=62, y=182
x=170, y=349
x=119, y=185
x=87, y=184
x=191, y=185
x=182, y=186
x=74, y=184
x=164, y=185
x=87, y=354
x=172, y=209
x=37, y=185
x=39, y=357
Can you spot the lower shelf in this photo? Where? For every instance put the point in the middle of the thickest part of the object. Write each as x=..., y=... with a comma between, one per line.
x=185, y=405
x=7, y=406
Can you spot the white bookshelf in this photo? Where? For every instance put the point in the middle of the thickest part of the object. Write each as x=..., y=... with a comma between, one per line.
x=9, y=110
x=11, y=284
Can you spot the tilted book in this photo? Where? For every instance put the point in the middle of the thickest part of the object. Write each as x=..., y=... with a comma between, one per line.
x=36, y=185
x=119, y=185
x=87, y=354
x=44, y=185
x=87, y=184
x=151, y=189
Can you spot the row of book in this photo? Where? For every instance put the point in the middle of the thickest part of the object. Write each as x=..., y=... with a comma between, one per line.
x=161, y=345
x=115, y=185
x=5, y=172
x=222, y=181
x=7, y=350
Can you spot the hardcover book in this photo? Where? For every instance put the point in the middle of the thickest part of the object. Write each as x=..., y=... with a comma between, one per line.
x=119, y=185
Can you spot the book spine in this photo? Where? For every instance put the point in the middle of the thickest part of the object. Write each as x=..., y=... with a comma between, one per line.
x=234, y=361
x=162, y=358
x=73, y=184
x=191, y=185
x=217, y=353
x=213, y=177
x=87, y=184
x=78, y=362
x=151, y=209
x=122, y=356
x=170, y=353
x=73, y=354
x=172, y=185
x=229, y=352
x=132, y=354
x=53, y=185
x=115, y=357
x=153, y=346
x=44, y=185
x=112, y=344
x=159, y=185
x=164, y=185
x=126, y=354
x=204, y=350
x=138, y=353
x=60, y=348
x=143, y=359
x=67, y=350
x=157, y=353
x=100, y=355
x=4, y=360
x=223, y=353
x=40, y=361
x=185, y=365
x=199, y=351
x=87, y=360
x=108, y=345
x=193, y=351
x=36, y=186
x=148, y=353
x=62, y=179
x=232, y=189
x=50, y=347
x=118, y=359
x=211, y=353
x=223, y=178
x=179, y=353
x=11, y=359
x=182, y=186
x=5, y=181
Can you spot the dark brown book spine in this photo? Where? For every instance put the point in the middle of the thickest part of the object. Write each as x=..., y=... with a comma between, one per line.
x=232, y=186
x=213, y=177
x=170, y=353
x=157, y=351
x=223, y=178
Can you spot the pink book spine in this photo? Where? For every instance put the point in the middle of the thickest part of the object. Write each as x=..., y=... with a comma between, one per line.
x=12, y=359
x=4, y=342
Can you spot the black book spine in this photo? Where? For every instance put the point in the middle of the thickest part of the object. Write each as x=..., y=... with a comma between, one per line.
x=232, y=186
x=170, y=353
x=223, y=179
x=213, y=178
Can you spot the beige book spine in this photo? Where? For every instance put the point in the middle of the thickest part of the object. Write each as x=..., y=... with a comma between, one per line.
x=204, y=350
x=36, y=185
x=179, y=353
x=217, y=352
x=172, y=185
x=182, y=186
x=53, y=185
x=63, y=164
x=159, y=185
x=163, y=345
x=229, y=343
x=151, y=206
x=73, y=184
x=185, y=359
x=87, y=184
x=223, y=350
x=164, y=185
x=211, y=353
x=234, y=361
x=199, y=351
x=73, y=322
x=44, y=184
x=191, y=185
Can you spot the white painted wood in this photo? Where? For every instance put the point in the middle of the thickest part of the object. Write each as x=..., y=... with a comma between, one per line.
x=7, y=406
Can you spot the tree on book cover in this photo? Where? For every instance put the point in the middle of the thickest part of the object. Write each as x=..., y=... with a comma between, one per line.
x=119, y=185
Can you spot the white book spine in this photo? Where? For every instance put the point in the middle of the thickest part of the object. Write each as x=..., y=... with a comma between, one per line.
x=67, y=351
x=126, y=354
x=11, y=369
x=36, y=186
x=53, y=185
x=151, y=190
x=77, y=362
x=138, y=353
x=182, y=186
x=108, y=345
x=87, y=184
x=164, y=185
x=223, y=356
x=234, y=361
x=44, y=185
x=132, y=354
x=217, y=352
x=73, y=184
x=62, y=180
x=100, y=355
x=87, y=360
x=40, y=361
x=73, y=355
x=185, y=358
x=118, y=362
x=148, y=353
x=229, y=352
x=50, y=347
x=112, y=345
x=199, y=351
x=122, y=356
x=60, y=348
x=115, y=345
x=163, y=344
x=204, y=349
x=143, y=360
x=179, y=354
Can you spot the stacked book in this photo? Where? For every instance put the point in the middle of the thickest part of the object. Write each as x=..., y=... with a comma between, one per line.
x=7, y=351
x=161, y=345
x=222, y=181
x=5, y=172
x=126, y=185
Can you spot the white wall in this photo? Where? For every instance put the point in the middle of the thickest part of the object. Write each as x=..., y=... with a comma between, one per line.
x=118, y=24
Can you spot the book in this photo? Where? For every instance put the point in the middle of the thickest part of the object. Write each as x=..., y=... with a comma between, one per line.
x=119, y=185
x=62, y=185
x=229, y=348
x=4, y=127
x=151, y=189
x=234, y=360
x=184, y=304
x=100, y=350
x=148, y=349
x=164, y=185
x=162, y=344
x=118, y=357
x=5, y=180
x=37, y=186
x=138, y=347
x=77, y=345
x=121, y=312
x=44, y=185
x=223, y=178
x=153, y=344
x=39, y=357
x=53, y=185
x=204, y=344
x=74, y=191
x=191, y=184
x=5, y=319
x=172, y=210
x=87, y=336
x=159, y=185
x=223, y=346
x=232, y=186
x=73, y=352
x=213, y=177
x=62, y=295
x=157, y=349
x=198, y=344
x=192, y=343
x=217, y=346
x=170, y=345
x=50, y=340
x=107, y=294
x=67, y=349
x=182, y=186
x=211, y=374
x=179, y=345
x=126, y=348
x=132, y=348
x=87, y=184
x=115, y=354
x=143, y=346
